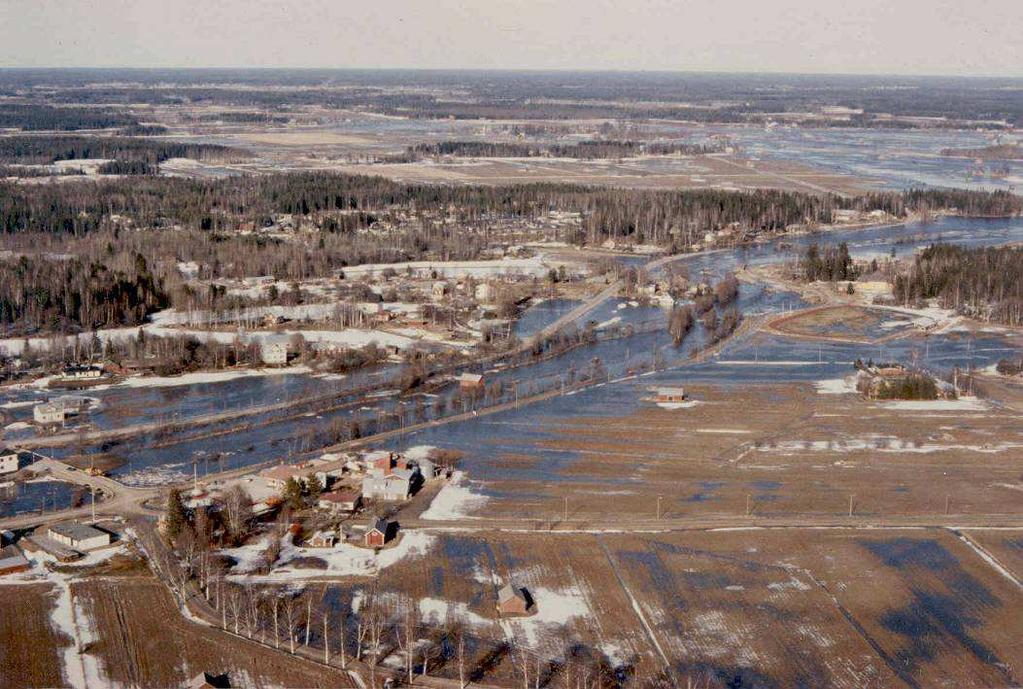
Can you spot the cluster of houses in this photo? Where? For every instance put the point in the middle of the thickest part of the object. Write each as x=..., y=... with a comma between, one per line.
x=349, y=482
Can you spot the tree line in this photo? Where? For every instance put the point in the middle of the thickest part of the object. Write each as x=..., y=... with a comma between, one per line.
x=38, y=149
x=35, y=116
x=985, y=282
x=674, y=219
x=583, y=150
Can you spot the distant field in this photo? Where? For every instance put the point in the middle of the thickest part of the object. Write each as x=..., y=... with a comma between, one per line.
x=691, y=172
x=783, y=449
x=752, y=608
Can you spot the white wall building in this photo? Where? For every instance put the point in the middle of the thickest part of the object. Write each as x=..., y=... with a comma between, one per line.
x=9, y=460
x=48, y=413
x=274, y=353
x=78, y=536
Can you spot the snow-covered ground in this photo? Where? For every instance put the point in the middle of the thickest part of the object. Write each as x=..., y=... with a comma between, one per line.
x=454, y=501
x=342, y=560
x=836, y=386
x=962, y=404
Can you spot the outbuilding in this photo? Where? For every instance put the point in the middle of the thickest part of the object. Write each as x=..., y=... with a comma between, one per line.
x=10, y=460
x=379, y=532
x=12, y=560
x=78, y=536
x=471, y=381
x=671, y=394
x=512, y=600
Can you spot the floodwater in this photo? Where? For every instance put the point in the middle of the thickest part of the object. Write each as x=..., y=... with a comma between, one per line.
x=760, y=358
x=36, y=496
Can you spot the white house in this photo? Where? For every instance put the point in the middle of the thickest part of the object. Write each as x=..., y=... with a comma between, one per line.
x=485, y=293
x=78, y=536
x=10, y=460
x=392, y=486
x=48, y=413
x=274, y=353
x=84, y=372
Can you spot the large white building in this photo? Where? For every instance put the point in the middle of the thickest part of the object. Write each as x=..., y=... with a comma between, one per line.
x=78, y=536
x=48, y=413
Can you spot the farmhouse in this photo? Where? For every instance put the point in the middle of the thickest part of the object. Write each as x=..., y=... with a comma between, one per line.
x=485, y=293
x=274, y=353
x=340, y=501
x=440, y=290
x=48, y=413
x=78, y=536
x=471, y=381
x=514, y=601
x=81, y=372
x=392, y=486
x=10, y=460
x=670, y=394
x=12, y=561
x=277, y=476
x=379, y=532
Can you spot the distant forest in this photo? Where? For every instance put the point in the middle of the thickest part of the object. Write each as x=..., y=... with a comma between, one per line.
x=870, y=101
x=31, y=116
x=118, y=275
x=37, y=149
x=673, y=219
x=986, y=282
x=584, y=150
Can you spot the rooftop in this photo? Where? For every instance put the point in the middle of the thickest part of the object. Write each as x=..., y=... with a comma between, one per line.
x=75, y=530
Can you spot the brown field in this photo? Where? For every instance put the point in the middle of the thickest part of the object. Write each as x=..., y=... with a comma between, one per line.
x=753, y=608
x=845, y=323
x=785, y=448
x=695, y=172
x=144, y=642
x=30, y=648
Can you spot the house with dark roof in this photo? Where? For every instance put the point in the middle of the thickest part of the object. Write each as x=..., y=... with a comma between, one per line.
x=379, y=533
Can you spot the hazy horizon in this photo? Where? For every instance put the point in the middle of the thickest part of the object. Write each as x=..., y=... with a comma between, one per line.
x=825, y=37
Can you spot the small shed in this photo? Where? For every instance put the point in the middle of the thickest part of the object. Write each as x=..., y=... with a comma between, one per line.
x=512, y=600
x=471, y=381
x=12, y=561
x=379, y=532
x=670, y=394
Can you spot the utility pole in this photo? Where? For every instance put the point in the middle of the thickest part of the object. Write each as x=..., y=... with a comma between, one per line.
x=93, y=503
x=658, y=506
x=749, y=504
x=852, y=496
x=566, y=509
x=948, y=504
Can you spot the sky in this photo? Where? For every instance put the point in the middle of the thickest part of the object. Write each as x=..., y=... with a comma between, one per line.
x=953, y=37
